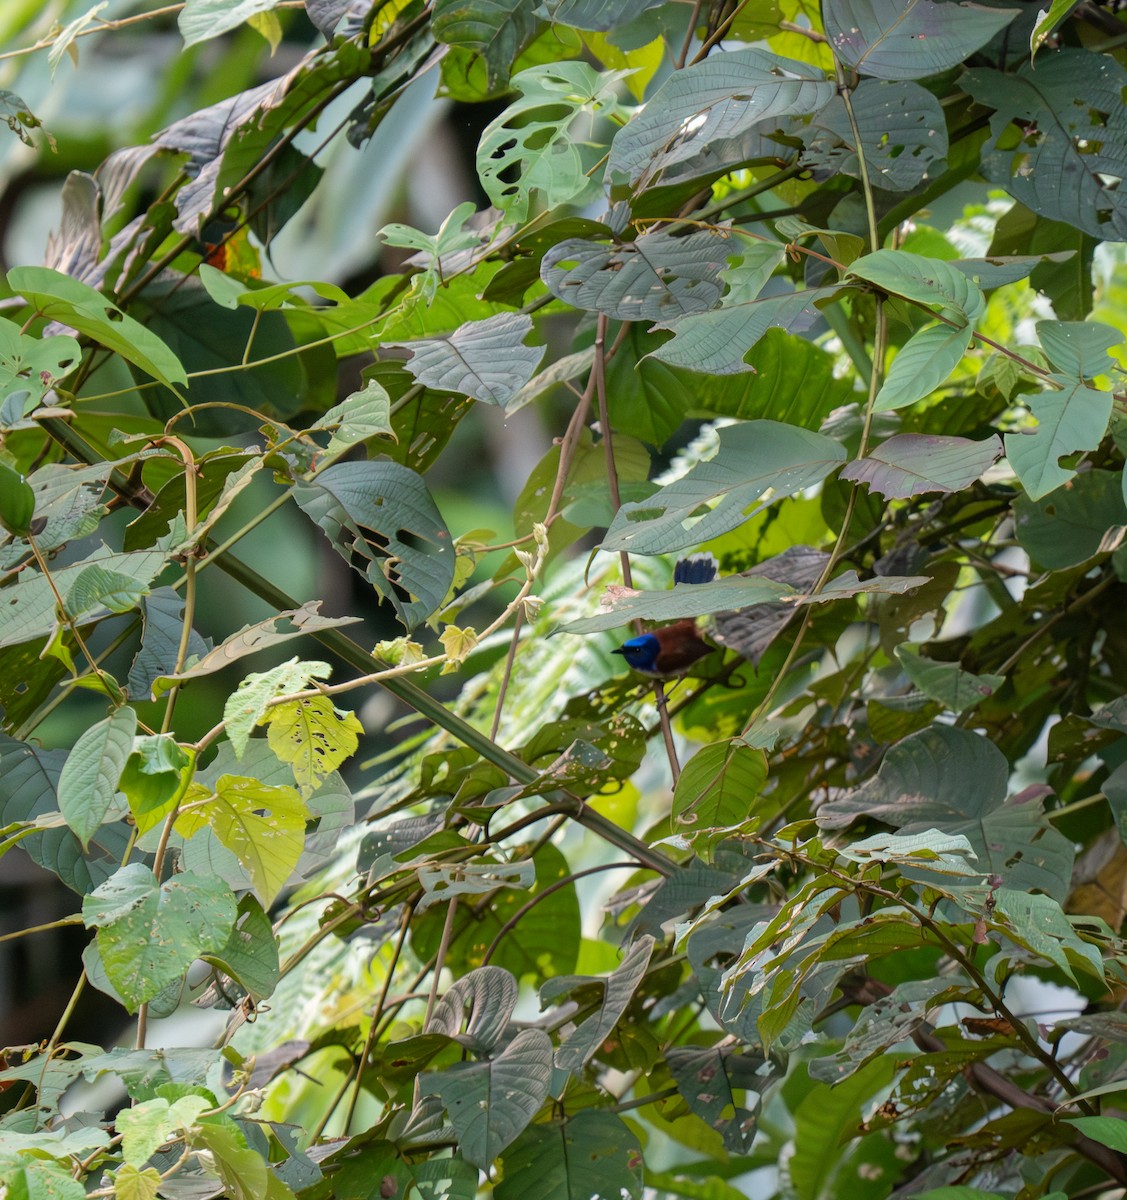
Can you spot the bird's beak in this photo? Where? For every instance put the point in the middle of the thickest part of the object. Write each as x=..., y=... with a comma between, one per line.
x=620, y=650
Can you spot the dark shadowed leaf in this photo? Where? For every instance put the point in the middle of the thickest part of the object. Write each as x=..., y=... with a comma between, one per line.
x=495, y=30
x=380, y=517
x=909, y=39
x=1065, y=158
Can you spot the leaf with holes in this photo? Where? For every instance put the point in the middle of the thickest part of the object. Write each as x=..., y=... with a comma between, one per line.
x=720, y=98
x=1057, y=149
x=902, y=132
x=910, y=464
x=720, y=493
x=655, y=278
x=77, y=304
x=263, y=826
x=382, y=521
x=485, y=360
x=909, y=39
x=150, y=933
x=539, y=146
x=313, y=737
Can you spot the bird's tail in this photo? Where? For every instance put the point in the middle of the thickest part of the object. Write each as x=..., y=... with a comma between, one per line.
x=697, y=568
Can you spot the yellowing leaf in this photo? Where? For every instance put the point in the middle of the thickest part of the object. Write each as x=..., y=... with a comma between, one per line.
x=458, y=644
x=131, y=1184
x=263, y=826
x=312, y=737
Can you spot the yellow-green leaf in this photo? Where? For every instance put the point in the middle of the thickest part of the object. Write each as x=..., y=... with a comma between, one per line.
x=312, y=737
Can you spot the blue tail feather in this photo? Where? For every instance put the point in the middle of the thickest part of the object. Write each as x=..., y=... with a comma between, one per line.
x=698, y=568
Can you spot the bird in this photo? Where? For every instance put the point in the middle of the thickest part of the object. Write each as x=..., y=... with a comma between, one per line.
x=671, y=650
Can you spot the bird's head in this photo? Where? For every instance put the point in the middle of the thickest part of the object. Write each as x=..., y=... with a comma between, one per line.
x=641, y=652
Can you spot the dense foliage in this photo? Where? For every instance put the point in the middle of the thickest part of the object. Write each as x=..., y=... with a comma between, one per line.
x=831, y=293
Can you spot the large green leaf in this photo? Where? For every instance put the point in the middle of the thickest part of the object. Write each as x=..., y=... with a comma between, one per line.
x=717, y=495
x=909, y=39
x=491, y=1103
x=592, y=1155
x=194, y=916
x=77, y=304
x=382, y=515
x=656, y=277
x=931, y=281
x=909, y=464
x=717, y=99
x=1070, y=419
x=902, y=132
x=1060, y=156
x=717, y=789
x=263, y=825
x=1080, y=348
x=485, y=360
x=88, y=782
x=955, y=781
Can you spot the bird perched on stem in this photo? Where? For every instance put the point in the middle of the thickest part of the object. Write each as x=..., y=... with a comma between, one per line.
x=672, y=649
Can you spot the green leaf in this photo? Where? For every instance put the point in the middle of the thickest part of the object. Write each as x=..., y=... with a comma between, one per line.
x=490, y=994
x=955, y=781
x=1069, y=420
x=485, y=360
x=247, y=704
x=156, y=773
x=1109, y=1131
x=263, y=825
x=95, y=588
x=718, y=342
x=656, y=277
x=947, y=682
x=71, y=302
x=17, y=501
x=129, y=1183
x=717, y=495
x=29, y=604
x=1048, y=20
x=162, y=613
x=902, y=130
x=201, y=20
x=89, y=778
x=595, y=15
x=19, y=118
x=1058, y=157
x=724, y=96
x=150, y=933
x=495, y=30
x=491, y=1103
x=245, y=1173
x=313, y=737
x=1068, y=526
x=382, y=514
x=592, y=1153
x=931, y=281
x=1040, y=924
x=147, y=1125
x=925, y=361
x=31, y=365
x=910, y=464
x=718, y=788
x=706, y=1076
x=1079, y=348
x=365, y=414
x=530, y=150
x=250, y=955
x=619, y=988
x=908, y=39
